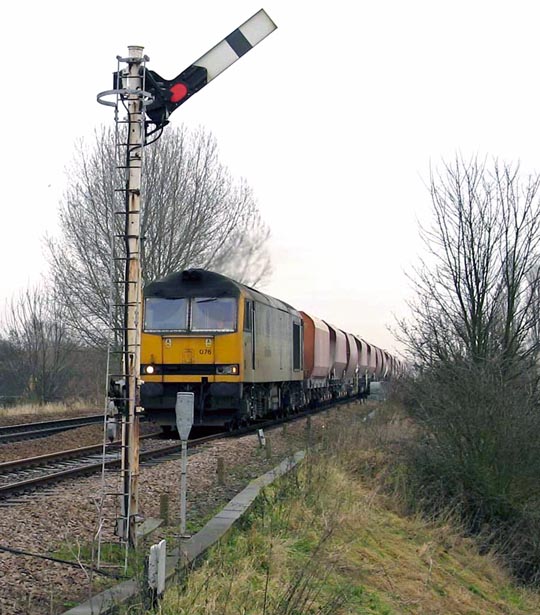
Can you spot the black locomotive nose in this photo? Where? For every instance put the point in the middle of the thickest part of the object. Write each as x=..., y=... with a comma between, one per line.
x=192, y=275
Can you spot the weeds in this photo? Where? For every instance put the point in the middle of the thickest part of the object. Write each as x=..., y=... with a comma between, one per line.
x=328, y=539
x=332, y=537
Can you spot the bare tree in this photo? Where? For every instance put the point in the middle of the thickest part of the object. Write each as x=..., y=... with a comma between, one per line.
x=476, y=291
x=195, y=215
x=11, y=385
x=473, y=337
x=38, y=350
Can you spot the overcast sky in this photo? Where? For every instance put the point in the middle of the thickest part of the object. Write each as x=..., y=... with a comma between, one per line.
x=333, y=120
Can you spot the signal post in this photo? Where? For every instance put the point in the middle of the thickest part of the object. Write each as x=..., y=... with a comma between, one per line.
x=151, y=99
x=132, y=83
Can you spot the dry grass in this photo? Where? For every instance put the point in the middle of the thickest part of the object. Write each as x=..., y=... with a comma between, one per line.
x=327, y=540
x=46, y=410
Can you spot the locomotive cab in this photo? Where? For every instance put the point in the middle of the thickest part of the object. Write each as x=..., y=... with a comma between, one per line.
x=191, y=343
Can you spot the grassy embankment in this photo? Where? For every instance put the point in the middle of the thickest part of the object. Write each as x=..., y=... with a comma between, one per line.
x=331, y=539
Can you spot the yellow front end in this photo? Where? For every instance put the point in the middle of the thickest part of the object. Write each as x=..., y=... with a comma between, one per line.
x=190, y=358
x=210, y=364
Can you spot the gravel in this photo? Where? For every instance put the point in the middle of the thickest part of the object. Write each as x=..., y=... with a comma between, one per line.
x=63, y=441
x=64, y=518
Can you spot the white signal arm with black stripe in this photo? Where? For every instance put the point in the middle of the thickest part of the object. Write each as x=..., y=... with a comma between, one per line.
x=170, y=94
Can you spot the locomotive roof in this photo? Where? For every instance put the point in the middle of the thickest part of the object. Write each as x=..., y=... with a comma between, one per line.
x=204, y=283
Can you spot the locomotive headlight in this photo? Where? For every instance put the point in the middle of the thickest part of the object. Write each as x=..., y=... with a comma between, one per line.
x=149, y=369
x=228, y=370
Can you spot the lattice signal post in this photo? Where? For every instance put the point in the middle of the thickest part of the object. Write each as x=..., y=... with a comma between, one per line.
x=149, y=100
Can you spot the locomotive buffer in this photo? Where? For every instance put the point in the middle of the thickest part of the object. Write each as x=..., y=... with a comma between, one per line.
x=150, y=99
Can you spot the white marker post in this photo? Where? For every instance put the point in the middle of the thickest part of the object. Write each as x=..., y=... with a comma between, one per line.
x=157, y=567
x=185, y=403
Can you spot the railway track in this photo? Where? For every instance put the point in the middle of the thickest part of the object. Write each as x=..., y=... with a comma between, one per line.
x=27, y=431
x=22, y=476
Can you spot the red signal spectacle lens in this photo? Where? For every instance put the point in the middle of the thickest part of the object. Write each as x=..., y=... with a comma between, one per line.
x=178, y=91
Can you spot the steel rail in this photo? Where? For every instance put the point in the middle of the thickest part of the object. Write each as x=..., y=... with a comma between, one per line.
x=29, y=462
x=170, y=449
x=90, y=468
x=24, y=431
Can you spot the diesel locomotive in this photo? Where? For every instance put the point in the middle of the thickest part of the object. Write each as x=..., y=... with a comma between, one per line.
x=244, y=355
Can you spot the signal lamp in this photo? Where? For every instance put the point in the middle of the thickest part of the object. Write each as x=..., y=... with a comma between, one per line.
x=178, y=91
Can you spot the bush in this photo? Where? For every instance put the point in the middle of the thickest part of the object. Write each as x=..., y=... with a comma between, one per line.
x=478, y=453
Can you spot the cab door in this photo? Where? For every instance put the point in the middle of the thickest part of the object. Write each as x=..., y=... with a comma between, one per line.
x=249, y=340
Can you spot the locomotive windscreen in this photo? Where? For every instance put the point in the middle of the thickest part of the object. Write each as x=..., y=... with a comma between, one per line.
x=196, y=314
x=213, y=314
x=165, y=314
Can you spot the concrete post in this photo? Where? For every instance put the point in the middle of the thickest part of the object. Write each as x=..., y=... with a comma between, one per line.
x=132, y=81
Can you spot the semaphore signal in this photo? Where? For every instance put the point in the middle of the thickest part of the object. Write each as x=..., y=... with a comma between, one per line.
x=169, y=94
x=148, y=98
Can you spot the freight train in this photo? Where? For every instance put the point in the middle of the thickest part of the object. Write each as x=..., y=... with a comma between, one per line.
x=244, y=355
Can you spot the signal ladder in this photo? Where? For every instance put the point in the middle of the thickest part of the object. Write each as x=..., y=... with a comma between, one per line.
x=115, y=504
